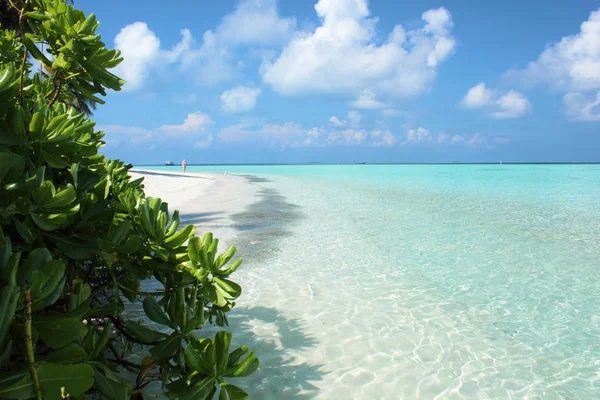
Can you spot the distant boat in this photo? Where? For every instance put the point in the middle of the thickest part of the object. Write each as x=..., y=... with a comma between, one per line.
x=169, y=163
x=500, y=162
x=362, y=162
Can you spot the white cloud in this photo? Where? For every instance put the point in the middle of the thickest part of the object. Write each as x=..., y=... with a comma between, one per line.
x=203, y=144
x=292, y=134
x=336, y=121
x=348, y=137
x=239, y=99
x=142, y=53
x=274, y=135
x=345, y=55
x=582, y=106
x=116, y=135
x=511, y=105
x=443, y=137
x=367, y=100
x=193, y=124
x=418, y=135
x=354, y=118
x=457, y=139
x=383, y=138
x=477, y=141
x=571, y=65
x=193, y=128
x=477, y=97
x=254, y=23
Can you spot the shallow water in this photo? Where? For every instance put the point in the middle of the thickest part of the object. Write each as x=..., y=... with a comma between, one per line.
x=433, y=281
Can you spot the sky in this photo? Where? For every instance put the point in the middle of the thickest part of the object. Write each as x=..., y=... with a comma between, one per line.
x=343, y=81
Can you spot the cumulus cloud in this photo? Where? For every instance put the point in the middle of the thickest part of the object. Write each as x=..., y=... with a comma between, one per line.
x=367, y=100
x=383, y=138
x=204, y=144
x=571, y=65
x=344, y=55
x=510, y=105
x=192, y=128
x=443, y=137
x=336, y=121
x=477, y=97
x=253, y=23
x=354, y=119
x=418, y=135
x=239, y=99
x=142, y=53
x=582, y=106
x=457, y=139
x=292, y=134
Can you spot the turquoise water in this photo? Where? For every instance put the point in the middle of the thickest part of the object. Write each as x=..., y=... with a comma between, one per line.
x=422, y=281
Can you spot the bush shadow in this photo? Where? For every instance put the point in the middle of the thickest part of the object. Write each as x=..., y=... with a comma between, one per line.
x=281, y=375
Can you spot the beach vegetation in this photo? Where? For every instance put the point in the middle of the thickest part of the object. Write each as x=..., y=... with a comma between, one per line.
x=81, y=244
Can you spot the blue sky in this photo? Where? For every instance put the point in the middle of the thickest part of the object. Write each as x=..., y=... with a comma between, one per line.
x=265, y=81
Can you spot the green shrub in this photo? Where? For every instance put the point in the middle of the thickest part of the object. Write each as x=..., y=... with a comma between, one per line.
x=78, y=238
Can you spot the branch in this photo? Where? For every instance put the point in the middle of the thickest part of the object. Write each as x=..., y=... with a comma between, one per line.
x=29, y=346
x=121, y=328
x=23, y=76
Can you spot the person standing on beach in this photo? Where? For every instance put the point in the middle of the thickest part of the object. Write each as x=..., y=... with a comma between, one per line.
x=183, y=165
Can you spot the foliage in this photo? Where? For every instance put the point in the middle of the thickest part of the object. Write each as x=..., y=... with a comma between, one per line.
x=78, y=238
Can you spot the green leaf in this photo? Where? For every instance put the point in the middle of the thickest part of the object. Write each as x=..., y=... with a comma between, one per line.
x=62, y=199
x=36, y=260
x=231, y=392
x=35, y=52
x=143, y=333
x=112, y=309
x=57, y=332
x=229, y=289
x=101, y=344
x=24, y=231
x=110, y=387
x=245, y=368
x=5, y=164
x=68, y=354
x=195, y=356
x=180, y=237
x=154, y=312
x=199, y=391
x=49, y=222
x=36, y=126
x=75, y=379
x=166, y=349
x=54, y=272
x=9, y=296
x=194, y=246
x=222, y=342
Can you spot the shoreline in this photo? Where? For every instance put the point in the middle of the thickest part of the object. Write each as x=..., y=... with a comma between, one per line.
x=206, y=200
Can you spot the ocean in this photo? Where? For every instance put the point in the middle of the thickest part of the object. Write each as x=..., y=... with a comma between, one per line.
x=420, y=281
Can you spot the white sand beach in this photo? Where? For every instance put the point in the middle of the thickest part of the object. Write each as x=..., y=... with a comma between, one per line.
x=204, y=199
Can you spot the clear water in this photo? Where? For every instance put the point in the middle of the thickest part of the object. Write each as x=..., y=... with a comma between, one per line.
x=430, y=281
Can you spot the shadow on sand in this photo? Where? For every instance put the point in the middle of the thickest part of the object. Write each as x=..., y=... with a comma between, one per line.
x=280, y=375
